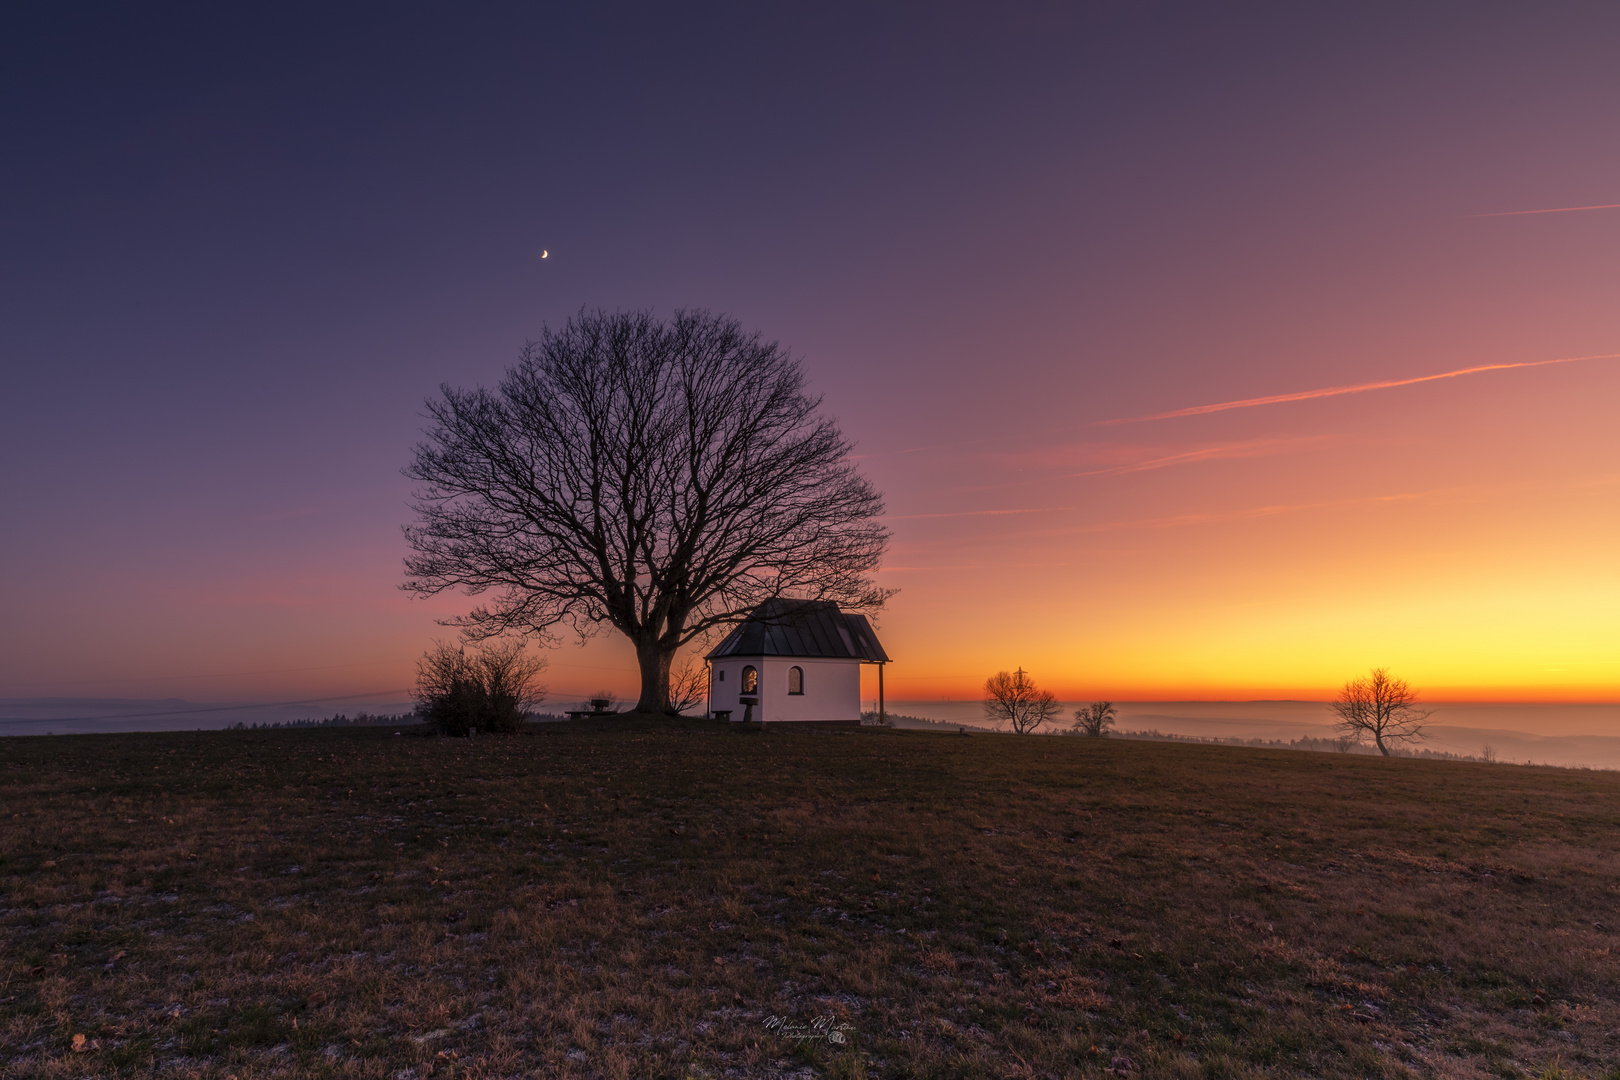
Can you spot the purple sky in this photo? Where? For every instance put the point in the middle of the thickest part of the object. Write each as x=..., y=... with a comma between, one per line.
x=241, y=249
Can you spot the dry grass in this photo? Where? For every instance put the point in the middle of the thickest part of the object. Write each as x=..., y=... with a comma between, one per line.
x=641, y=898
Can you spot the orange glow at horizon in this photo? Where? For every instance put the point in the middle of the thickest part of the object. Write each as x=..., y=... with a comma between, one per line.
x=1451, y=535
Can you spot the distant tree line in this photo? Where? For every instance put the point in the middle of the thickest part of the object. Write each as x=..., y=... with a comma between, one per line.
x=1320, y=745
x=340, y=720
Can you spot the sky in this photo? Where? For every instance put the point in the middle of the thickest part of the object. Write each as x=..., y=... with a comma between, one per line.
x=1020, y=249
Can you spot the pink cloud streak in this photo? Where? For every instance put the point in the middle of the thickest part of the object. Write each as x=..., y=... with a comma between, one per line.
x=979, y=513
x=1357, y=388
x=1552, y=210
x=1252, y=448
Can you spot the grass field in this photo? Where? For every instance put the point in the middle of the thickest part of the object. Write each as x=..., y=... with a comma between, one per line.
x=638, y=898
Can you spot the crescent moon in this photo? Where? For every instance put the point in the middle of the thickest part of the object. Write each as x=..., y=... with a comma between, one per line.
x=544, y=254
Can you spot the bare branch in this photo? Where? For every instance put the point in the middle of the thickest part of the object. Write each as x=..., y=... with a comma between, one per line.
x=688, y=685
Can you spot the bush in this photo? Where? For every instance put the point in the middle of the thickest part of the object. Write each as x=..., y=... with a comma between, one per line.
x=1094, y=720
x=491, y=689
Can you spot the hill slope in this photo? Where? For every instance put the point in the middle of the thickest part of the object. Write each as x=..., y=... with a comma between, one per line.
x=638, y=898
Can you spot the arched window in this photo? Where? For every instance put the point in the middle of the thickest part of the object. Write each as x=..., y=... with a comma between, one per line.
x=795, y=680
x=750, y=680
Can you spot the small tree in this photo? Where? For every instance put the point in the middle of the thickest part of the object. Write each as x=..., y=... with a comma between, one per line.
x=1094, y=719
x=1014, y=699
x=493, y=689
x=1383, y=707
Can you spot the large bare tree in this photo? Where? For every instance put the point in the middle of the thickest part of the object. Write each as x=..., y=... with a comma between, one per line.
x=660, y=477
x=1383, y=707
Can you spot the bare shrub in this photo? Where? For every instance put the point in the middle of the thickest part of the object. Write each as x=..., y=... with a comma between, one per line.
x=492, y=689
x=1095, y=719
x=1013, y=698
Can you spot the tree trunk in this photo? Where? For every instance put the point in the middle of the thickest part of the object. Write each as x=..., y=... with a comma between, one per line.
x=654, y=660
x=1378, y=737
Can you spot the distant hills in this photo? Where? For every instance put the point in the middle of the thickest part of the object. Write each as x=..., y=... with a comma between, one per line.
x=82, y=716
x=1568, y=735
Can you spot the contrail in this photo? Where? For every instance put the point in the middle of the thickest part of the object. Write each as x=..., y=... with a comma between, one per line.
x=1252, y=448
x=979, y=513
x=1553, y=210
x=1198, y=519
x=1357, y=388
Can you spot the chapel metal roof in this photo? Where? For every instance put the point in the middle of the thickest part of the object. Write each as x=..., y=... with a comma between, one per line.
x=810, y=629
